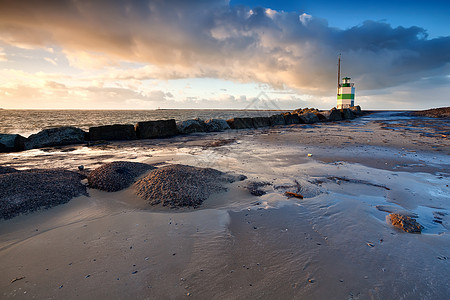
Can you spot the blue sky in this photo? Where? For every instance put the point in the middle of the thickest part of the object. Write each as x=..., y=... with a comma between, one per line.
x=145, y=54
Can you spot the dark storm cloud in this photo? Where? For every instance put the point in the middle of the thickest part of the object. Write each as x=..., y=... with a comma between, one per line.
x=213, y=39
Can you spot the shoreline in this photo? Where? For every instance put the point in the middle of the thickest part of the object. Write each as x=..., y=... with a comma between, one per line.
x=333, y=243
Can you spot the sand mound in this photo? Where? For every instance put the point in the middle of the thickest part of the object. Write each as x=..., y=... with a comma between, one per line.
x=180, y=185
x=442, y=112
x=26, y=191
x=115, y=176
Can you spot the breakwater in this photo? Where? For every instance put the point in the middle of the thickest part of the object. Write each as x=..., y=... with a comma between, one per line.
x=68, y=135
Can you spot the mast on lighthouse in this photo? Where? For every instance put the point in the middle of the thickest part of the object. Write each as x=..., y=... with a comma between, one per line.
x=346, y=90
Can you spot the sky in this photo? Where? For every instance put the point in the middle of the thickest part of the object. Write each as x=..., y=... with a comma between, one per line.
x=220, y=54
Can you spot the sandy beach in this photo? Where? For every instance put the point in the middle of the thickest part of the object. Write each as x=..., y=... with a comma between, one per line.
x=335, y=243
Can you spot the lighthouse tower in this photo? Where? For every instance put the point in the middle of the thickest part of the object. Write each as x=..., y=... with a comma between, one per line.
x=346, y=91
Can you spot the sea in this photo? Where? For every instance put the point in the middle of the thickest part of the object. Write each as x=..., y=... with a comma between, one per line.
x=27, y=122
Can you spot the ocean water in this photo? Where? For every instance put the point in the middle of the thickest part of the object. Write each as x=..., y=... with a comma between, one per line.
x=27, y=122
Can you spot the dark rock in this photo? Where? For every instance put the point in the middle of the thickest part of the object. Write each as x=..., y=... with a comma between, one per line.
x=255, y=187
x=347, y=114
x=115, y=176
x=11, y=142
x=180, y=185
x=332, y=115
x=405, y=223
x=308, y=118
x=29, y=190
x=156, y=129
x=112, y=132
x=240, y=123
x=55, y=137
x=277, y=120
x=261, y=122
x=191, y=126
x=213, y=125
x=320, y=116
x=356, y=110
x=291, y=118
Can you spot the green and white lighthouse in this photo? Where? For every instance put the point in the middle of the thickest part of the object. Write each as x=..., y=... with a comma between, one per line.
x=346, y=90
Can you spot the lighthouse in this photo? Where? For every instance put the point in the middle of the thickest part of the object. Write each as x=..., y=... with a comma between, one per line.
x=345, y=90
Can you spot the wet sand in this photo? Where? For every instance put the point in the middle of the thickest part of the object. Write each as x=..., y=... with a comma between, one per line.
x=333, y=244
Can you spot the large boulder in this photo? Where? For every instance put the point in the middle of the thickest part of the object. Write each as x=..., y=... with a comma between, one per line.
x=117, y=175
x=156, y=129
x=216, y=125
x=191, y=126
x=261, y=122
x=112, y=132
x=55, y=137
x=291, y=118
x=320, y=116
x=11, y=142
x=277, y=120
x=240, y=123
x=309, y=118
x=347, y=114
x=332, y=115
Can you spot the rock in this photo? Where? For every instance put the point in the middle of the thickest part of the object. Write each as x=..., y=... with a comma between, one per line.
x=240, y=123
x=30, y=190
x=320, y=116
x=442, y=112
x=332, y=115
x=291, y=118
x=55, y=137
x=291, y=194
x=181, y=185
x=405, y=223
x=347, y=114
x=117, y=175
x=261, y=122
x=213, y=125
x=12, y=142
x=309, y=118
x=277, y=120
x=255, y=187
x=191, y=126
x=356, y=110
x=112, y=132
x=156, y=129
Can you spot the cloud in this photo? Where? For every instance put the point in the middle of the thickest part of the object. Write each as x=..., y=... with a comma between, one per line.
x=2, y=55
x=48, y=59
x=198, y=39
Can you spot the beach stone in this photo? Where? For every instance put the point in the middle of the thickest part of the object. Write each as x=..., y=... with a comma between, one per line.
x=240, y=123
x=291, y=118
x=12, y=142
x=30, y=190
x=112, y=132
x=308, y=118
x=405, y=223
x=277, y=120
x=156, y=129
x=117, y=175
x=191, y=126
x=181, y=185
x=59, y=136
x=347, y=114
x=320, y=116
x=261, y=122
x=256, y=187
x=213, y=125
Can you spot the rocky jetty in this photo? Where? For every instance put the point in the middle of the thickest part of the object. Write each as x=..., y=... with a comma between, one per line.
x=214, y=125
x=181, y=185
x=30, y=190
x=191, y=126
x=442, y=112
x=156, y=129
x=240, y=123
x=405, y=223
x=115, y=176
x=59, y=136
